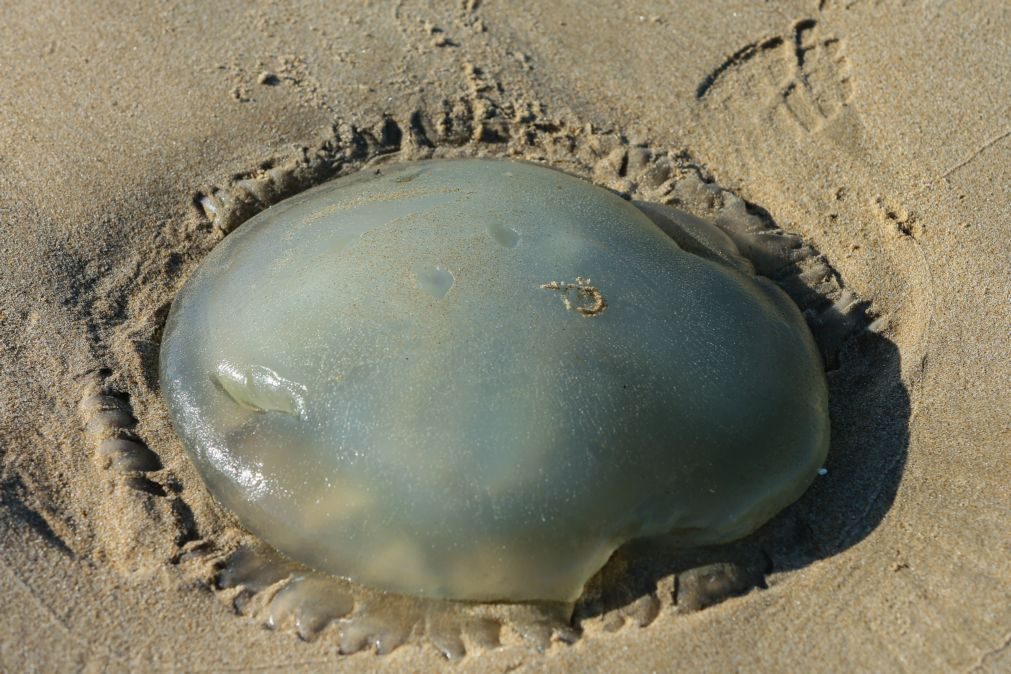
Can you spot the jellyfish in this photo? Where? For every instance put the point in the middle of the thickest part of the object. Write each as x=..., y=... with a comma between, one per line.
x=475, y=379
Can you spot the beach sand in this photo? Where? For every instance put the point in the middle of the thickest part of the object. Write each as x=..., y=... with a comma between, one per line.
x=130, y=140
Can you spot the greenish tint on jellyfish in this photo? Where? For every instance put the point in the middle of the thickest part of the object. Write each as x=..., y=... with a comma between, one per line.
x=475, y=379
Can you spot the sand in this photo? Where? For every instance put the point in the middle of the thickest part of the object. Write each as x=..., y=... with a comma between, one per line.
x=878, y=131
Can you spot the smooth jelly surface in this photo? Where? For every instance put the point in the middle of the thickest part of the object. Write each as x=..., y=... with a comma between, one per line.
x=475, y=379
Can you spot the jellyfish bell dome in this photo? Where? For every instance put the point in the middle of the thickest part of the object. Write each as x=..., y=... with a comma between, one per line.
x=475, y=379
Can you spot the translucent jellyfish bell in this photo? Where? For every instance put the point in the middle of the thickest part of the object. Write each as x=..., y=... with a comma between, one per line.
x=475, y=379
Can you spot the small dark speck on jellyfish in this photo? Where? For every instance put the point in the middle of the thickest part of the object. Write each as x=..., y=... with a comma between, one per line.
x=408, y=395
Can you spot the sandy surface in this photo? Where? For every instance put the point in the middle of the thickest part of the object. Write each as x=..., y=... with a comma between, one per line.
x=878, y=130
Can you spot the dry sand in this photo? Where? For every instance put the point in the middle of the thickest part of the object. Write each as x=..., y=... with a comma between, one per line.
x=878, y=130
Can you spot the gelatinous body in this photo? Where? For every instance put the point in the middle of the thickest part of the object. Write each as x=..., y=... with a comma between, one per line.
x=475, y=379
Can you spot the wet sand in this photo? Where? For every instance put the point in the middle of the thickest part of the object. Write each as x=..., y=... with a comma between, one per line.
x=878, y=131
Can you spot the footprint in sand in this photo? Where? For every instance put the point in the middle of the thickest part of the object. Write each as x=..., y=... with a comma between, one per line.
x=803, y=77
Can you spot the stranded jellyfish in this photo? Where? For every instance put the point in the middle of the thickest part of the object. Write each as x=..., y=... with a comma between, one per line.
x=475, y=379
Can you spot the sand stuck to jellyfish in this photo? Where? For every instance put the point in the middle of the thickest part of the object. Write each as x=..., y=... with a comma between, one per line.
x=476, y=379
